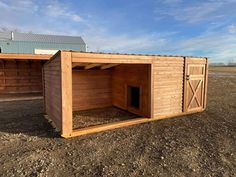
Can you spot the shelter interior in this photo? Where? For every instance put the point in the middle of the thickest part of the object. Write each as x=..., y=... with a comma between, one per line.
x=21, y=76
x=111, y=92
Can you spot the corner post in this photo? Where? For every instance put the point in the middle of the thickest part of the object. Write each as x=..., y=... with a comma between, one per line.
x=66, y=93
x=206, y=84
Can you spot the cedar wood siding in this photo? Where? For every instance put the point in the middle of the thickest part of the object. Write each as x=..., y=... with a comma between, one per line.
x=168, y=75
x=52, y=90
x=91, y=89
x=20, y=76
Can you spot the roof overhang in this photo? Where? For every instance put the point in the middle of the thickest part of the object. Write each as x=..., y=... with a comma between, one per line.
x=15, y=56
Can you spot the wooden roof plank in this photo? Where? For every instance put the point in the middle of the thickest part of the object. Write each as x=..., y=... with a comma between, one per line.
x=106, y=66
x=16, y=56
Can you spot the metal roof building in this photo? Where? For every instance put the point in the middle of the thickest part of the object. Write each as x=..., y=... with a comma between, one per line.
x=14, y=42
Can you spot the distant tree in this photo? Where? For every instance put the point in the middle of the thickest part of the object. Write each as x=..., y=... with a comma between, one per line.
x=5, y=29
x=231, y=63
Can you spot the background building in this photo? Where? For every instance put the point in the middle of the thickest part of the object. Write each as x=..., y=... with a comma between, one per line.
x=21, y=60
x=14, y=42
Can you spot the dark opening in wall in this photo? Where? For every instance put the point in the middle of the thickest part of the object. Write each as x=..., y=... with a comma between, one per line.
x=0, y=50
x=134, y=97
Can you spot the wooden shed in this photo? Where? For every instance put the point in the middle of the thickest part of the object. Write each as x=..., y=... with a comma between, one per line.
x=151, y=87
x=21, y=73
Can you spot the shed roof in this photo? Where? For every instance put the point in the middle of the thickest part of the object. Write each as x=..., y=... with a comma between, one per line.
x=135, y=54
x=29, y=37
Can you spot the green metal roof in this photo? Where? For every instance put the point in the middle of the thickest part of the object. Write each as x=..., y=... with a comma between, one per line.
x=14, y=42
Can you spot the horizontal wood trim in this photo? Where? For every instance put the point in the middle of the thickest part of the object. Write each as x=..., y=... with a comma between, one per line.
x=109, y=126
x=112, y=60
x=22, y=85
x=11, y=56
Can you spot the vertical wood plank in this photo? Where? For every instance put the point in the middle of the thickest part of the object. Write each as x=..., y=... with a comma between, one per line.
x=151, y=83
x=206, y=84
x=203, y=86
x=43, y=84
x=4, y=73
x=185, y=85
x=66, y=86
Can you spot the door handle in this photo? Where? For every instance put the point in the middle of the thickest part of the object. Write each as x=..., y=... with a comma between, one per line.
x=187, y=77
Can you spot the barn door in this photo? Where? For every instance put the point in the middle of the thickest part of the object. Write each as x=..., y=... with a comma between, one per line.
x=194, y=87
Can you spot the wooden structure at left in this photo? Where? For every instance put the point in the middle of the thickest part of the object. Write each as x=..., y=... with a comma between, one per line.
x=150, y=86
x=21, y=73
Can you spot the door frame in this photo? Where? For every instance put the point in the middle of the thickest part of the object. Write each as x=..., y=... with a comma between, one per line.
x=203, y=78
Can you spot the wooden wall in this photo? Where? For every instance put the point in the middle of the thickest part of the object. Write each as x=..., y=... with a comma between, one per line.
x=133, y=75
x=20, y=76
x=91, y=89
x=102, y=88
x=168, y=75
x=52, y=91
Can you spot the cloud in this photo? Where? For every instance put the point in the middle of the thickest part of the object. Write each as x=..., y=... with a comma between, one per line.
x=3, y=5
x=195, y=12
x=125, y=43
x=219, y=46
x=170, y=2
x=59, y=10
x=23, y=6
x=76, y=18
x=232, y=28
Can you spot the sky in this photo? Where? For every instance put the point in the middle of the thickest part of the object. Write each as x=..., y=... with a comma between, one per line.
x=171, y=27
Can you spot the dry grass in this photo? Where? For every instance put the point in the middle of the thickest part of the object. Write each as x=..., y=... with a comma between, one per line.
x=222, y=69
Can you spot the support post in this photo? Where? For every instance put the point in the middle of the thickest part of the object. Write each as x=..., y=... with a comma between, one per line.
x=66, y=93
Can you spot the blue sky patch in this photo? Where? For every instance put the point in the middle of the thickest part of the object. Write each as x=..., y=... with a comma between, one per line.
x=176, y=27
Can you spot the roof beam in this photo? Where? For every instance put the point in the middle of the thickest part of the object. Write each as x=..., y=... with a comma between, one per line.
x=106, y=66
x=78, y=64
x=89, y=66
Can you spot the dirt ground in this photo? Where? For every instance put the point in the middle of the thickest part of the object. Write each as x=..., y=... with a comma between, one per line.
x=202, y=144
x=86, y=118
